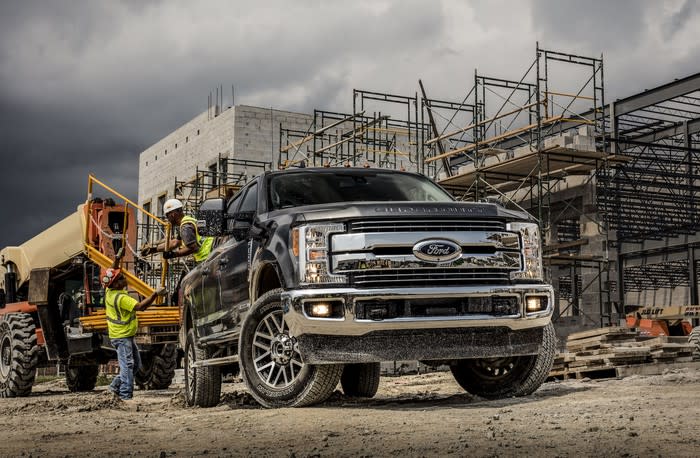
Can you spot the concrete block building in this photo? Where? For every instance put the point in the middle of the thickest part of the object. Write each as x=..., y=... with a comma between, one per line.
x=207, y=143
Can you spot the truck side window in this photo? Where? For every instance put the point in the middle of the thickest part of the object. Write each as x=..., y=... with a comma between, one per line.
x=232, y=209
x=244, y=214
x=250, y=201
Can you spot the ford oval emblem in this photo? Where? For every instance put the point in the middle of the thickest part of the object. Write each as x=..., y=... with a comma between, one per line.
x=437, y=250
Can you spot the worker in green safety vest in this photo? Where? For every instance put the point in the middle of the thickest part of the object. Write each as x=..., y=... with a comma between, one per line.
x=189, y=242
x=120, y=311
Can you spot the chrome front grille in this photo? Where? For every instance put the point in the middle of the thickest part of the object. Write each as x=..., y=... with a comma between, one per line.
x=438, y=225
x=383, y=253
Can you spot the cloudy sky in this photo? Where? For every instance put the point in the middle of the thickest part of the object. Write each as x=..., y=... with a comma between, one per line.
x=85, y=86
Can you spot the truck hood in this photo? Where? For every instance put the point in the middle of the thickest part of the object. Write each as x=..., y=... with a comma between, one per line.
x=428, y=210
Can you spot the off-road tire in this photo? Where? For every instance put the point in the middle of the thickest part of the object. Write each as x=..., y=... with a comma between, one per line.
x=157, y=368
x=202, y=384
x=81, y=378
x=360, y=380
x=694, y=339
x=495, y=378
x=301, y=384
x=19, y=355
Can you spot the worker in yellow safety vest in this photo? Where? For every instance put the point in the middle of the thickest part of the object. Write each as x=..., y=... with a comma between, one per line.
x=189, y=241
x=120, y=309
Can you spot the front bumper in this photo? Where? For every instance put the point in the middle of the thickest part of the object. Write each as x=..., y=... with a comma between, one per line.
x=349, y=339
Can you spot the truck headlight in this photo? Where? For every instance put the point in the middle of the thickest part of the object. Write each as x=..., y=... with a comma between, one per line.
x=531, y=251
x=310, y=244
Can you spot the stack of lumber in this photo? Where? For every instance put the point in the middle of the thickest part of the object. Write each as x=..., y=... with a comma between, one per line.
x=599, y=353
x=169, y=316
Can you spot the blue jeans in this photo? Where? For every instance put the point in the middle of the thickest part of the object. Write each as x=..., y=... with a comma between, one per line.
x=129, y=362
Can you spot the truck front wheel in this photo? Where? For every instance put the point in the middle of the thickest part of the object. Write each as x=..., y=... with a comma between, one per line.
x=271, y=364
x=495, y=378
x=19, y=355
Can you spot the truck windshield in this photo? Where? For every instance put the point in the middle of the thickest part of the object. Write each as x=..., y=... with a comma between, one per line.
x=321, y=187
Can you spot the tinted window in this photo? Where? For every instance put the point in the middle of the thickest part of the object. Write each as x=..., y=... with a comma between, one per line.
x=321, y=187
x=250, y=202
x=232, y=209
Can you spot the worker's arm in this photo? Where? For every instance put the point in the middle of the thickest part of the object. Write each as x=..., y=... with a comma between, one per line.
x=179, y=252
x=189, y=240
x=144, y=304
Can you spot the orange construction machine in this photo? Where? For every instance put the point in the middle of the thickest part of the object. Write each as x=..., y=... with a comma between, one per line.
x=52, y=302
x=667, y=321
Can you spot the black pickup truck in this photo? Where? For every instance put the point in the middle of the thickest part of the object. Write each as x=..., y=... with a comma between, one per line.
x=321, y=274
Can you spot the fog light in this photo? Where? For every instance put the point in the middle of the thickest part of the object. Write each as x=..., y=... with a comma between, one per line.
x=535, y=304
x=320, y=310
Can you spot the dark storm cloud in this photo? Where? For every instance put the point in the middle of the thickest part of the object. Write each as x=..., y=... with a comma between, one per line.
x=86, y=86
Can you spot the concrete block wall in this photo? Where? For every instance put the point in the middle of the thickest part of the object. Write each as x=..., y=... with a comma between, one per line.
x=241, y=132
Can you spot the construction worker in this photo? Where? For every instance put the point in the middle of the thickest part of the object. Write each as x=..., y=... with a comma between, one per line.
x=189, y=242
x=122, y=323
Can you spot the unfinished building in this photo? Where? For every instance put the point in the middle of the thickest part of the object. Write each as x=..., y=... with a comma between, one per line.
x=612, y=184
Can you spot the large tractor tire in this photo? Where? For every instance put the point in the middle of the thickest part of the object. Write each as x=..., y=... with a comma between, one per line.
x=495, y=378
x=82, y=378
x=271, y=364
x=19, y=355
x=360, y=380
x=202, y=384
x=694, y=339
x=157, y=368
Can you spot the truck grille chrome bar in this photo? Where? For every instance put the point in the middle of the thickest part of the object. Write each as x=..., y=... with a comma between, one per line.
x=422, y=225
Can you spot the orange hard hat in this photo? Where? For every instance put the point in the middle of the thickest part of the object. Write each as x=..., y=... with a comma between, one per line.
x=109, y=275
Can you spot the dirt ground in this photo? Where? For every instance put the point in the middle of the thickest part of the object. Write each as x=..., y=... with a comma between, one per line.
x=418, y=415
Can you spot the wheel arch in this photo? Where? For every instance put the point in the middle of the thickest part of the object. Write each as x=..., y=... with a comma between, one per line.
x=266, y=277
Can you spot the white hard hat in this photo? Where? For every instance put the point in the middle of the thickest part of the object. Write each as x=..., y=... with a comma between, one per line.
x=170, y=205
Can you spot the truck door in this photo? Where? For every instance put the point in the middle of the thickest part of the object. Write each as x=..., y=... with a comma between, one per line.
x=211, y=307
x=234, y=263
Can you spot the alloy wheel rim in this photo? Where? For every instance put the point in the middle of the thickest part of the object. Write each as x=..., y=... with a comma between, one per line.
x=496, y=368
x=276, y=355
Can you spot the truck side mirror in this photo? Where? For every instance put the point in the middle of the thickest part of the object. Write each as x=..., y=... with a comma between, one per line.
x=210, y=218
x=241, y=224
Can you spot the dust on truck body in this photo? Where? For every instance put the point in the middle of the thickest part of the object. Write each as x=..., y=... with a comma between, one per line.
x=324, y=273
x=52, y=302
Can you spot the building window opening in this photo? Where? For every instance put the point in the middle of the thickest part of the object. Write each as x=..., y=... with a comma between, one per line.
x=161, y=202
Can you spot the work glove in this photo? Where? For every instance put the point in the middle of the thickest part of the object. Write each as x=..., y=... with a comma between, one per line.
x=161, y=291
x=148, y=249
x=169, y=255
x=120, y=253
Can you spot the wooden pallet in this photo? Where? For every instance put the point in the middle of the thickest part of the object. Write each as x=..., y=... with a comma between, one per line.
x=598, y=353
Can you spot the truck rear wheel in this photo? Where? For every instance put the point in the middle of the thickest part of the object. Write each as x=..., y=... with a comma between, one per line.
x=82, y=378
x=157, y=368
x=360, y=380
x=495, y=378
x=202, y=384
x=694, y=339
x=19, y=354
x=271, y=365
